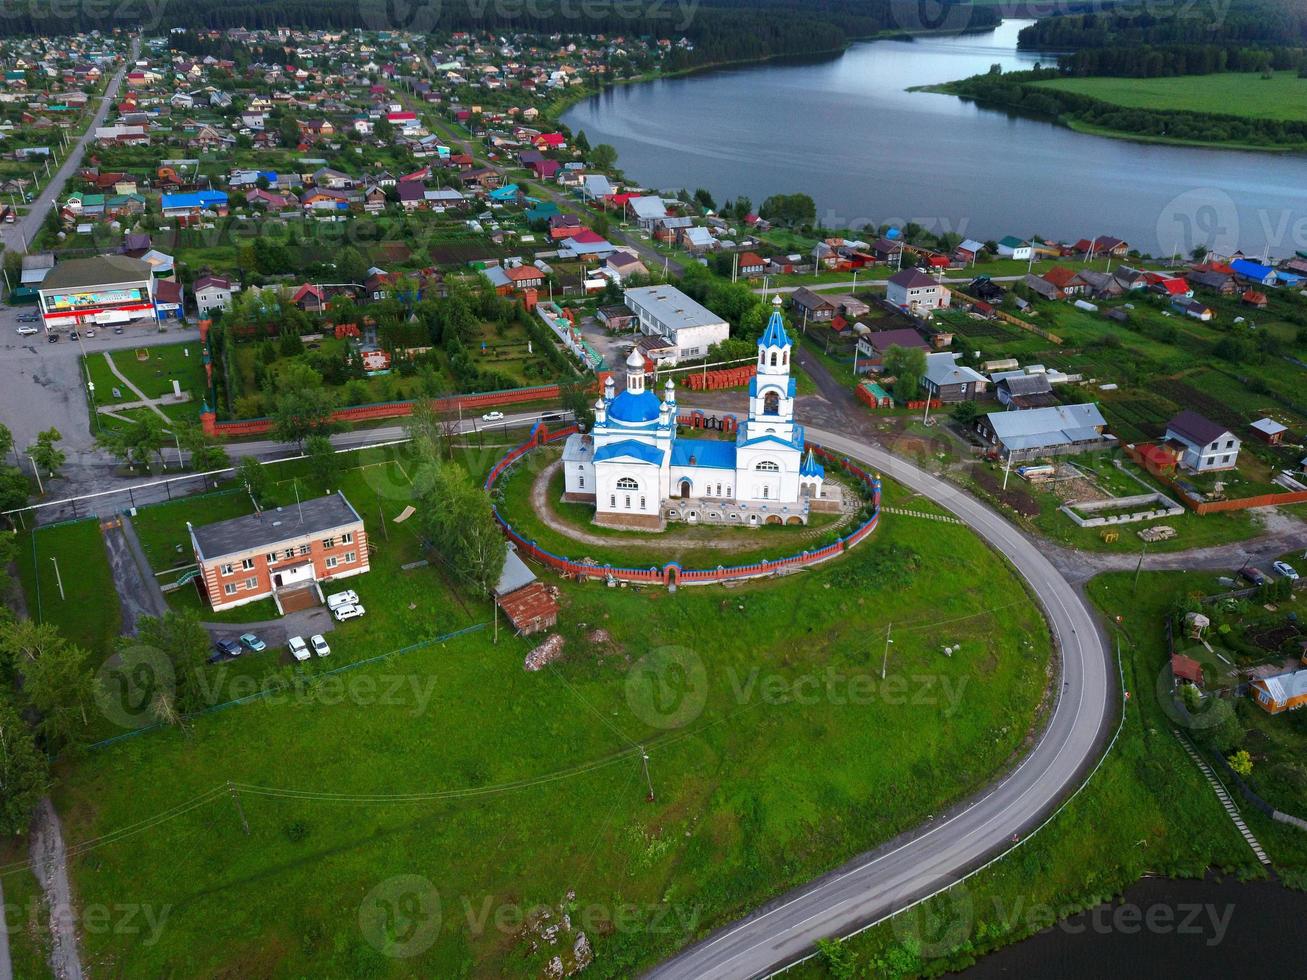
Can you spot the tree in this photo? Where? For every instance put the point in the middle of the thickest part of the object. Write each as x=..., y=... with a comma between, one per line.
x=575, y=398
x=137, y=441
x=433, y=431
x=253, y=477
x=24, y=772
x=302, y=412
x=841, y=962
x=45, y=453
x=907, y=365
x=791, y=210
x=581, y=141
x=60, y=685
x=1242, y=763
x=289, y=129
x=6, y=442
x=324, y=464
x=460, y=524
x=704, y=199
x=966, y=413
x=185, y=644
x=13, y=489
x=206, y=454
x=383, y=129
x=603, y=157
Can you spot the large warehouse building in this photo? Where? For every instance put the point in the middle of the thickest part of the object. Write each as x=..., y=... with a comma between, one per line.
x=101, y=290
x=665, y=311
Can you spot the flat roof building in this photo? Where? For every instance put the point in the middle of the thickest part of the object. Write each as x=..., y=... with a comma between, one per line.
x=667, y=312
x=284, y=550
x=99, y=290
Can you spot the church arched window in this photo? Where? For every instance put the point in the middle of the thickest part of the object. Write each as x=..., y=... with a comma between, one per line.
x=767, y=466
x=785, y=357
x=626, y=483
x=771, y=403
x=773, y=358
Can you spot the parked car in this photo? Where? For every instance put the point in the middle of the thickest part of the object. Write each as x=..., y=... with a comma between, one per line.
x=343, y=613
x=27, y=318
x=90, y=334
x=1287, y=570
x=224, y=649
x=26, y=330
x=74, y=335
x=252, y=642
x=493, y=417
x=53, y=339
x=347, y=598
x=298, y=648
x=1254, y=575
x=319, y=644
x=118, y=328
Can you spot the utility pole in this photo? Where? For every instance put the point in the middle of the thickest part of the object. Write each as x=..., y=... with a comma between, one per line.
x=1008, y=469
x=1140, y=567
x=57, y=577
x=235, y=798
x=644, y=760
x=37, y=471
x=884, y=663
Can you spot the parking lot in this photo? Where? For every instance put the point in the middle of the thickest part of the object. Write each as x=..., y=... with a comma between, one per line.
x=41, y=383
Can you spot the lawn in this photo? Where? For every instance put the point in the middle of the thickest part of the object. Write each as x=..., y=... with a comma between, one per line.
x=1146, y=811
x=88, y=612
x=1282, y=97
x=447, y=771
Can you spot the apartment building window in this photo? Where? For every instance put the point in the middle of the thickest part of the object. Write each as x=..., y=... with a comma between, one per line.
x=251, y=583
x=247, y=564
x=332, y=561
x=305, y=549
x=329, y=542
x=272, y=556
x=350, y=557
x=229, y=588
x=347, y=537
x=225, y=570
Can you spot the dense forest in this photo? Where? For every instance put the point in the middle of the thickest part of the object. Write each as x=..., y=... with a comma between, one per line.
x=1245, y=22
x=721, y=30
x=1251, y=35
x=1015, y=91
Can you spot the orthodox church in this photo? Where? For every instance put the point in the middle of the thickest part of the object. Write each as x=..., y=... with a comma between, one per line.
x=639, y=473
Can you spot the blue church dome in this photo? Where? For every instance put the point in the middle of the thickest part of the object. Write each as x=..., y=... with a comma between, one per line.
x=629, y=407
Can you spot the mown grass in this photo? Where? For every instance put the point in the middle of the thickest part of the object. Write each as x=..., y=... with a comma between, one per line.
x=1282, y=97
x=545, y=793
x=88, y=613
x=1147, y=810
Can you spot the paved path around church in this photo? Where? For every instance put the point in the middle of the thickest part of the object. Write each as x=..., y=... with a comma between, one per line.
x=952, y=845
x=544, y=509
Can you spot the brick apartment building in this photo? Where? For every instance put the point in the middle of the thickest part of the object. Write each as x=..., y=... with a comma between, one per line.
x=280, y=552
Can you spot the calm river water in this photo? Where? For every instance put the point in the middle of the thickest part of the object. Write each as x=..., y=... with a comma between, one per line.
x=845, y=130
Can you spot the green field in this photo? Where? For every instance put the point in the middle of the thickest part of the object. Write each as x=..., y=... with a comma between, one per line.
x=1282, y=97
x=529, y=785
x=1146, y=811
x=88, y=611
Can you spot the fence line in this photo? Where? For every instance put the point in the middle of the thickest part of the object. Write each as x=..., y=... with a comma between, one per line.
x=672, y=573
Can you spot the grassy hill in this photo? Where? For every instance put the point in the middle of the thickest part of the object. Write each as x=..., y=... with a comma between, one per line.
x=1281, y=97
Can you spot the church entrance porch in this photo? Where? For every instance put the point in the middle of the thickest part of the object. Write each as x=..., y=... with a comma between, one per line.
x=685, y=490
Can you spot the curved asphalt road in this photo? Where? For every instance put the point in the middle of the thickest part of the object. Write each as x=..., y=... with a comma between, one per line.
x=924, y=861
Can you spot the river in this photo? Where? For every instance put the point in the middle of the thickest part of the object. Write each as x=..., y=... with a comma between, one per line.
x=846, y=131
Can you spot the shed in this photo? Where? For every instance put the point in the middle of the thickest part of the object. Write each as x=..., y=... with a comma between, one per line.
x=1269, y=431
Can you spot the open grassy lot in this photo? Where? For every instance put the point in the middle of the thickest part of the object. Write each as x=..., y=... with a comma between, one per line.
x=501, y=790
x=1147, y=810
x=1283, y=96
x=88, y=613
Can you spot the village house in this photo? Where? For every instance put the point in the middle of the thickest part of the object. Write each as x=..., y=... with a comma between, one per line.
x=807, y=305
x=950, y=382
x=1205, y=446
x=212, y=293
x=1054, y=431
x=916, y=293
